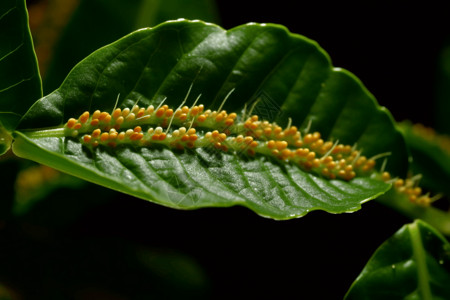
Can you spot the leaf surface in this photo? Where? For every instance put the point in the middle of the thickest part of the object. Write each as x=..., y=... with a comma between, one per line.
x=280, y=75
x=20, y=82
x=413, y=264
x=118, y=18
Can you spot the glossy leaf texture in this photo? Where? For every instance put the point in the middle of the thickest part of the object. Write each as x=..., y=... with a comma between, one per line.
x=413, y=264
x=290, y=76
x=20, y=82
x=118, y=18
x=430, y=153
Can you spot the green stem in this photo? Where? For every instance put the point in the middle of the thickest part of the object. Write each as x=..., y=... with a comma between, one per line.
x=420, y=258
x=435, y=217
x=54, y=132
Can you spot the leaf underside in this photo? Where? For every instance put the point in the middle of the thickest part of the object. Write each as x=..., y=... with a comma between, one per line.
x=289, y=75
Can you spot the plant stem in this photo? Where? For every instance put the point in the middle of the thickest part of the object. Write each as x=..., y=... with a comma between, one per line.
x=54, y=132
x=433, y=216
x=423, y=276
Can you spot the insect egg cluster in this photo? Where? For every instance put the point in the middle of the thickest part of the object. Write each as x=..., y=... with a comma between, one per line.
x=194, y=127
x=178, y=129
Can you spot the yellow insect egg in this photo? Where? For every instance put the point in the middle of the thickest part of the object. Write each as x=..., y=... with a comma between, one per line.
x=229, y=121
x=185, y=110
x=117, y=113
x=84, y=117
x=285, y=154
x=201, y=118
x=331, y=165
x=129, y=132
x=130, y=117
x=183, y=117
x=308, y=138
x=141, y=113
x=162, y=136
x=194, y=111
x=298, y=144
x=95, y=122
x=191, y=131
x=135, y=109
x=113, y=135
x=280, y=145
x=120, y=120
x=104, y=136
x=385, y=176
x=96, y=114
x=125, y=112
x=311, y=156
x=222, y=137
x=169, y=113
x=219, y=118
x=248, y=140
x=316, y=162
x=71, y=123
x=96, y=133
x=150, y=109
x=240, y=139
x=87, y=138
x=136, y=136
x=102, y=116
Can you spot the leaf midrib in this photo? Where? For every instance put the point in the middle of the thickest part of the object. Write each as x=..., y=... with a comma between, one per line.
x=419, y=255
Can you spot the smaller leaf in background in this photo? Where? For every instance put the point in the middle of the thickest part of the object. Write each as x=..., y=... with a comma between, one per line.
x=5, y=140
x=7, y=293
x=36, y=182
x=413, y=264
x=20, y=82
x=430, y=153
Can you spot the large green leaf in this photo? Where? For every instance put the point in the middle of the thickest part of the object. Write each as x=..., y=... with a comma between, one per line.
x=413, y=264
x=20, y=82
x=292, y=78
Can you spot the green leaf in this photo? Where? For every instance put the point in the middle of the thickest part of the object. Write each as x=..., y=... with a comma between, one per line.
x=281, y=75
x=430, y=153
x=96, y=23
x=413, y=264
x=5, y=140
x=20, y=82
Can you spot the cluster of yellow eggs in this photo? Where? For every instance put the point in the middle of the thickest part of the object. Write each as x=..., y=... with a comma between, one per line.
x=193, y=127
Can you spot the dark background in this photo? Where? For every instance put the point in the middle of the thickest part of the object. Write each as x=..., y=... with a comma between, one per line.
x=394, y=50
